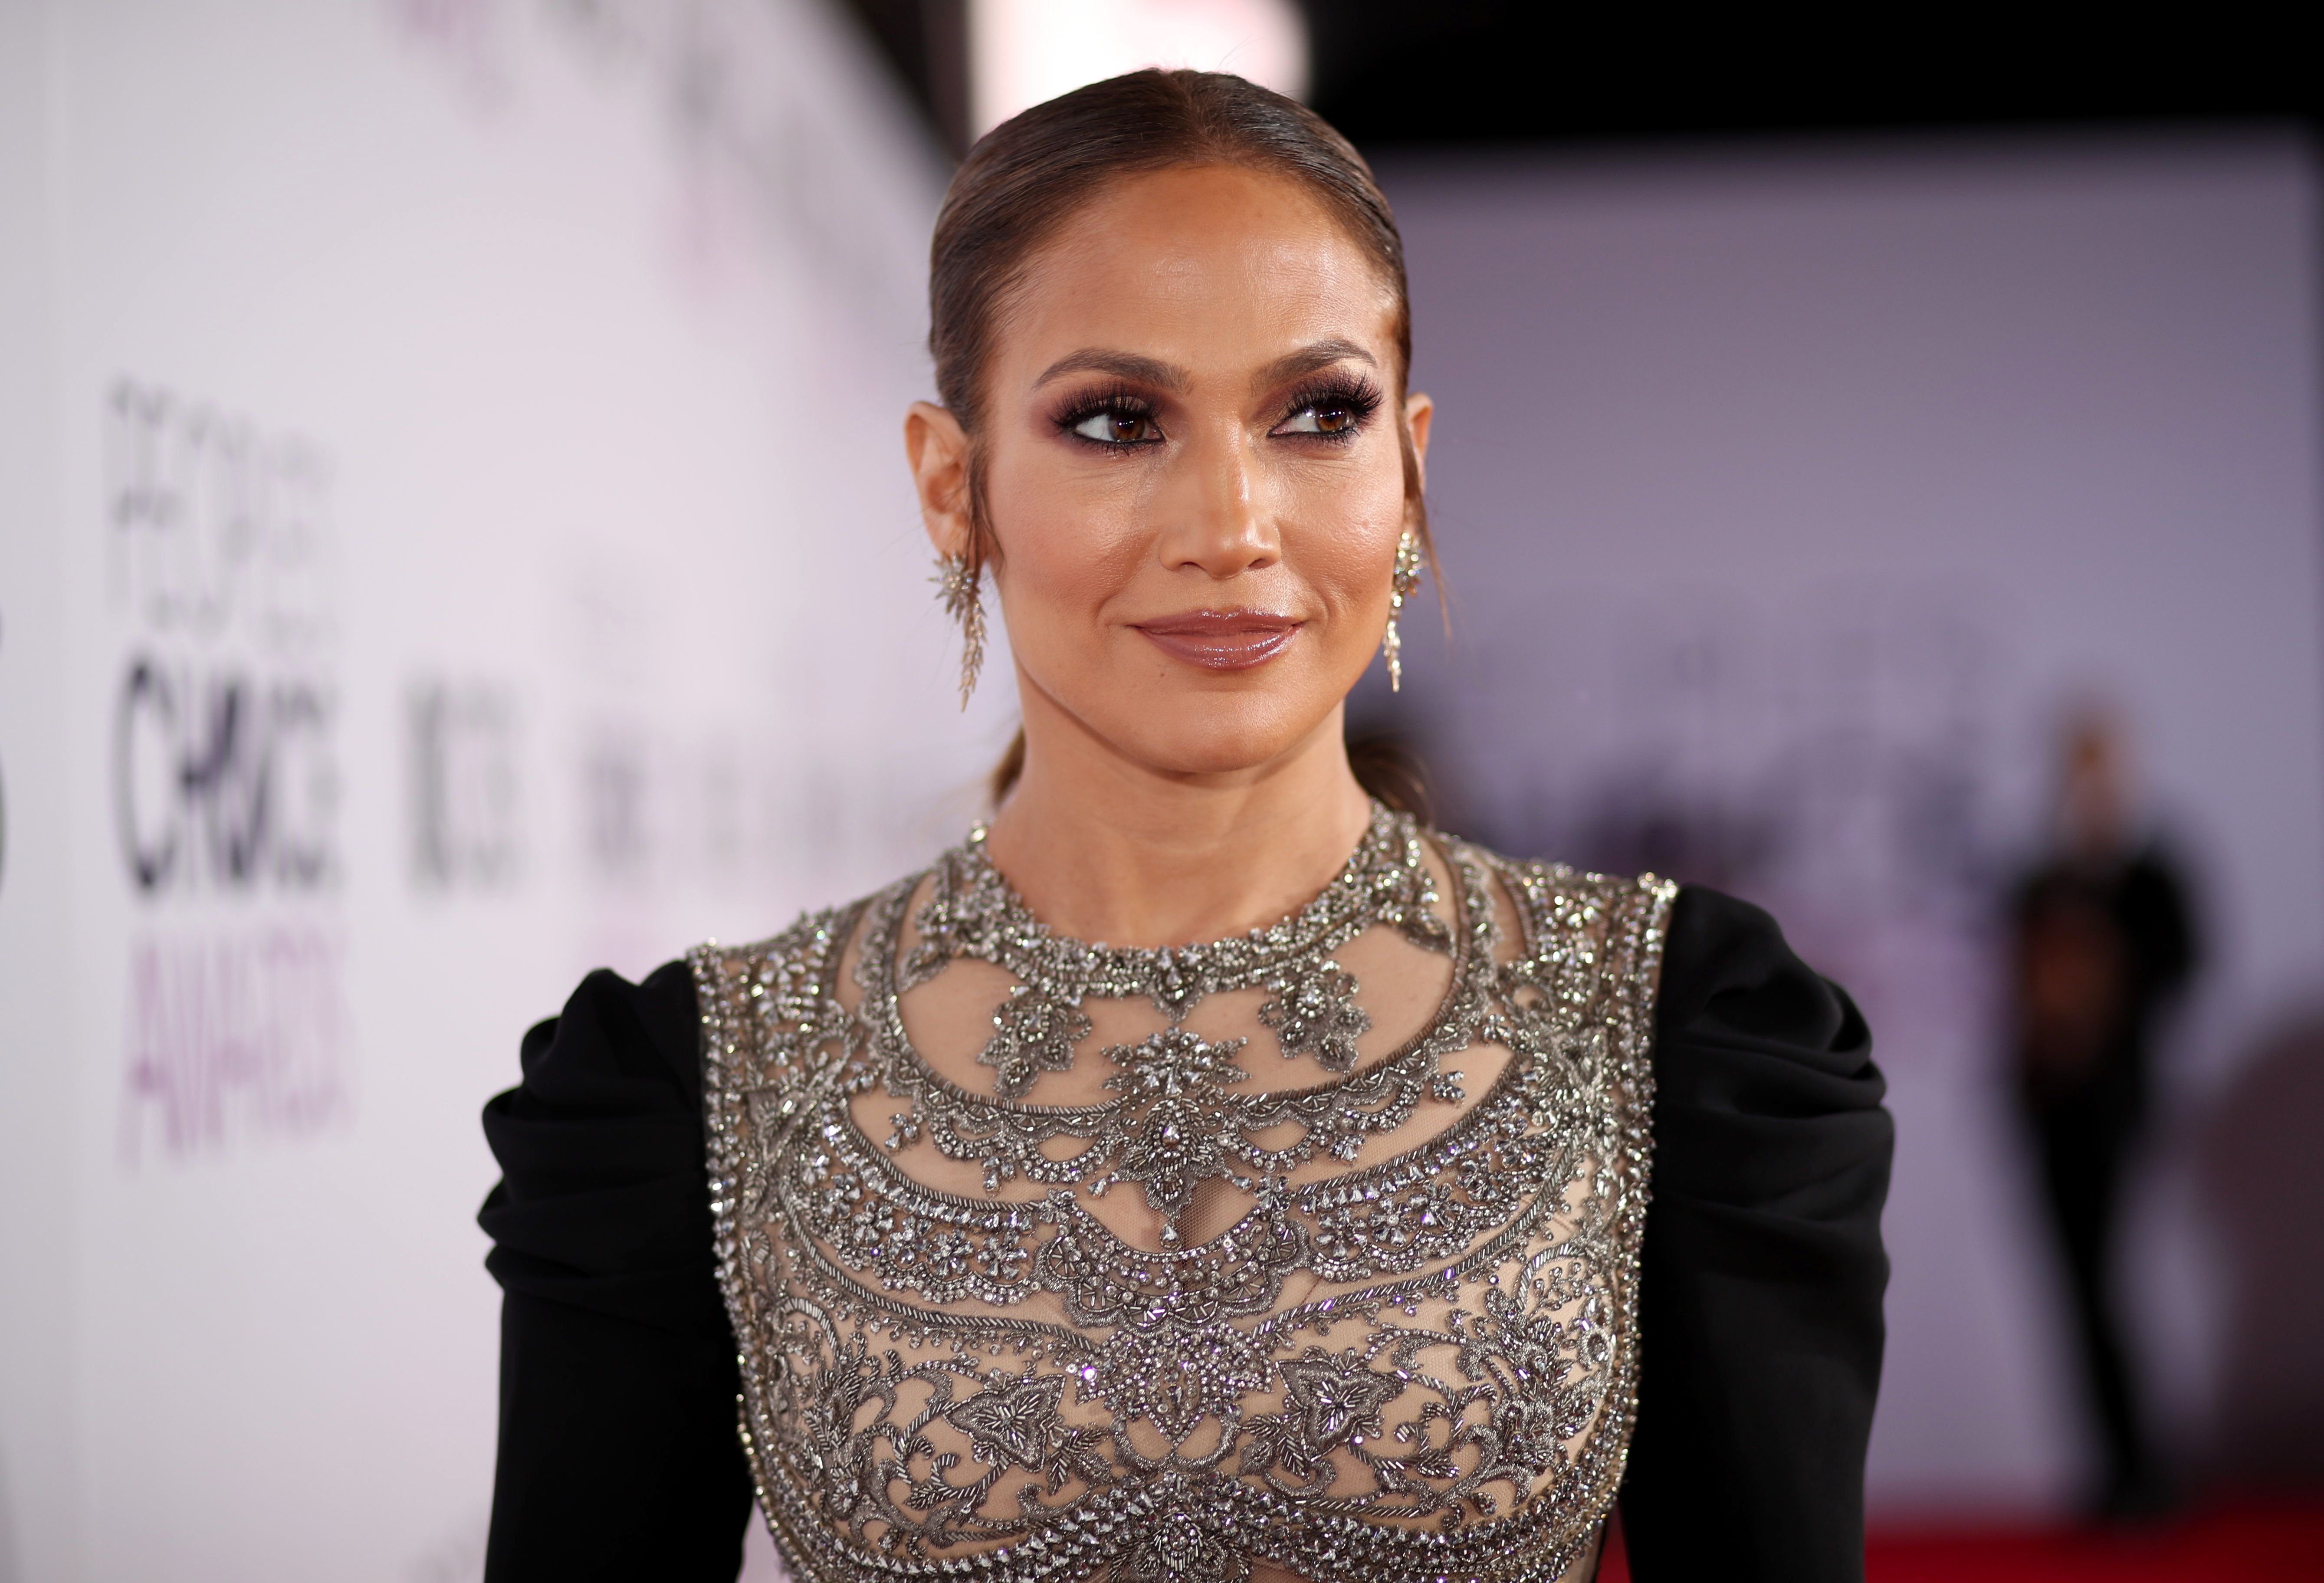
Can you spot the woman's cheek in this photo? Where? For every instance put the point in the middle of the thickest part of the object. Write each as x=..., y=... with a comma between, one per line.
x=1062, y=567
x=1352, y=568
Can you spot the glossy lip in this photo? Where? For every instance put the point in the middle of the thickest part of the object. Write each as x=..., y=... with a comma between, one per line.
x=1221, y=640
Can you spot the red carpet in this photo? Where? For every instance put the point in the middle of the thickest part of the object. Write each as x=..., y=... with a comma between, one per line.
x=2245, y=1541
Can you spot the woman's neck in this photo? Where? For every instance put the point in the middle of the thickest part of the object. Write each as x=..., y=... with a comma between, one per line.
x=1102, y=848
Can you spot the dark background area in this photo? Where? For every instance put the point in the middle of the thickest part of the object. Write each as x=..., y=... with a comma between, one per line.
x=1394, y=73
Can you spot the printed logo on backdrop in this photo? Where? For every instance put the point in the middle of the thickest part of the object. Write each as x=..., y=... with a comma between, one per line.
x=461, y=752
x=226, y=779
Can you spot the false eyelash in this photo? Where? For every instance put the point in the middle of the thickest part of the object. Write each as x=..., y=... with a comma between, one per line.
x=1353, y=391
x=1118, y=399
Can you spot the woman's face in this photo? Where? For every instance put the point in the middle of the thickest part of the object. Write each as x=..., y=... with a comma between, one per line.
x=1191, y=470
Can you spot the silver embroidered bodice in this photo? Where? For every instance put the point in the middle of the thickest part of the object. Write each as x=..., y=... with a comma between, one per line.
x=1309, y=1254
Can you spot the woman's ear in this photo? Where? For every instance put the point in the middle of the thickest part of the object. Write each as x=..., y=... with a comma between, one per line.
x=938, y=448
x=1418, y=412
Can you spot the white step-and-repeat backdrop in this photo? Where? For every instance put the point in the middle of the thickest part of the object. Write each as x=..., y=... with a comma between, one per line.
x=453, y=533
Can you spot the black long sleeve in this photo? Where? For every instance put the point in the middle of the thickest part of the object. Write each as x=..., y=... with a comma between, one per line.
x=1762, y=1272
x=618, y=1453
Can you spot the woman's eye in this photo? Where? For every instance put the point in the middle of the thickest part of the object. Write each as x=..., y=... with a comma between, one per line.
x=1324, y=417
x=1114, y=427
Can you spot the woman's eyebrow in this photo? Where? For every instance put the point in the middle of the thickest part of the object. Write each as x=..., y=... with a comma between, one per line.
x=1308, y=359
x=1149, y=371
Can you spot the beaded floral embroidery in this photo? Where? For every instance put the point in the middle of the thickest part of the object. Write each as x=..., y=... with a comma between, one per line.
x=1418, y=1367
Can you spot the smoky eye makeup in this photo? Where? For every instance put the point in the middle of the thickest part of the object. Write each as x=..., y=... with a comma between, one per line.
x=1112, y=418
x=1332, y=406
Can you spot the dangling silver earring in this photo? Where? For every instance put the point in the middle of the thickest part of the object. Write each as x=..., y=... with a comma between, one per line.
x=1401, y=581
x=961, y=591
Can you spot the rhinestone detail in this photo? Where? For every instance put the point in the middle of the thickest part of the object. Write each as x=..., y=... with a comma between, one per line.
x=1422, y=1368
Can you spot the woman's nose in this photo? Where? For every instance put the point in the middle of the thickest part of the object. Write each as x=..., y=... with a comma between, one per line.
x=1214, y=515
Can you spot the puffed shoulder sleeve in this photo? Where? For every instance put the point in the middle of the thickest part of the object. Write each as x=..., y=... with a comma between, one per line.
x=618, y=1452
x=1762, y=1270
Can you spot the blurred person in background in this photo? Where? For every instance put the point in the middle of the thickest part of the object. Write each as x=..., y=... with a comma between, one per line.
x=1302, y=1234
x=2101, y=942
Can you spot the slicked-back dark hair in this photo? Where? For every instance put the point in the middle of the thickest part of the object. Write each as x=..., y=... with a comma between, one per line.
x=1028, y=176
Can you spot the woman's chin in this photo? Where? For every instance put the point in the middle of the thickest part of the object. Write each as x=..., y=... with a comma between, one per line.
x=1219, y=737
x=1189, y=721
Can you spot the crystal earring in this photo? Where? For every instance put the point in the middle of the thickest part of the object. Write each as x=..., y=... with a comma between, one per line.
x=1401, y=581
x=961, y=590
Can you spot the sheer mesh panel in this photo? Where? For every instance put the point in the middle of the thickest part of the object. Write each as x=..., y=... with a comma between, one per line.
x=1308, y=1255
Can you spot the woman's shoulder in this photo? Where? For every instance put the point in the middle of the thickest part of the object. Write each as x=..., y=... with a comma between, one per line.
x=614, y=1039
x=616, y=1042
x=1551, y=918
x=1729, y=973
x=1548, y=887
x=765, y=1004
x=1739, y=1019
x=602, y=1202
x=794, y=960
x=1763, y=1077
